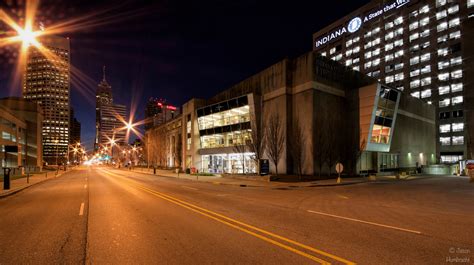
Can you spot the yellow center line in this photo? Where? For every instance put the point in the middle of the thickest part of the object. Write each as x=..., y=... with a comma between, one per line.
x=206, y=212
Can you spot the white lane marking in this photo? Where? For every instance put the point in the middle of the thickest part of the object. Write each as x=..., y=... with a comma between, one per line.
x=221, y=195
x=189, y=188
x=366, y=222
x=81, y=210
x=85, y=186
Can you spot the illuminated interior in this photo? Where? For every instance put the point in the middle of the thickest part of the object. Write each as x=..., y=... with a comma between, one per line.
x=228, y=117
x=384, y=116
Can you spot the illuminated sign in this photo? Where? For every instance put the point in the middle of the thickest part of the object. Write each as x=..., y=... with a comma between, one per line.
x=355, y=23
x=170, y=107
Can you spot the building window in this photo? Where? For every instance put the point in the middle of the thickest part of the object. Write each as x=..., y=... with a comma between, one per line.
x=458, y=140
x=442, y=90
x=425, y=21
x=414, y=60
x=470, y=3
x=445, y=128
x=442, y=26
x=445, y=102
x=454, y=22
x=444, y=115
x=440, y=3
x=455, y=35
x=458, y=113
x=424, y=9
x=457, y=100
x=426, y=93
x=456, y=87
x=425, y=57
x=456, y=74
x=441, y=14
x=453, y=9
x=443, y=65
x=413, y=36
x=389, y=79
x=415, y=94
x=456, y=61
x=443, y=76
x=445, y=140
x=442, y=39
x=458, y=127
x=415, y=83
x=426, y=69
x=415, y=72
x=413, y=25
x=426, y=81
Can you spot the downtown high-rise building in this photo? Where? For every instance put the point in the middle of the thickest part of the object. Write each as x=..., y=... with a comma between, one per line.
x=46, y=80
x=158, y=111
x=423, y=47
x=110, y=117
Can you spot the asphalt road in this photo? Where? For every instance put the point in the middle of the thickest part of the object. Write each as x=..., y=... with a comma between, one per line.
x=106, y=216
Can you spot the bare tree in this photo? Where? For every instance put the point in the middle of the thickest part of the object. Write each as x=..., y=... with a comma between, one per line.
x=275, y=139
x=297, y=147
x=178, y=155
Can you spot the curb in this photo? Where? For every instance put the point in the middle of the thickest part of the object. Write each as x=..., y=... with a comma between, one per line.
x=15, y=191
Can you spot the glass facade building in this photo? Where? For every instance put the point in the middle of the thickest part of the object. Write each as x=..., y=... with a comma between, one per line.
x=415, y=46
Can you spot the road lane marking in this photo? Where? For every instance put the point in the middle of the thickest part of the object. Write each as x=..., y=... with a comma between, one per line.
x=342, y=196
x=366, y=222
x=227, y=220
x=85, y=186
x=191, y=188
x=81, y=210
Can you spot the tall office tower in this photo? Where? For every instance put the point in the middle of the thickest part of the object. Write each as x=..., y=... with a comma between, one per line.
x=109, y=116
x=158, y=111
x=420, y=46
x=47, y=81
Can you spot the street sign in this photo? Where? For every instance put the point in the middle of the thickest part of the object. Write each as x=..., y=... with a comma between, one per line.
x=264, y=167
x=339, y=168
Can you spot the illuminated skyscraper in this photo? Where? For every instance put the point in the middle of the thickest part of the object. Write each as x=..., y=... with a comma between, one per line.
x=47, y=81
x=109, y=117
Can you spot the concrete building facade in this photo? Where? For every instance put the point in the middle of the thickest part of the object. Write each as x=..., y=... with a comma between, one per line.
x=340, y=115
x=21, y=125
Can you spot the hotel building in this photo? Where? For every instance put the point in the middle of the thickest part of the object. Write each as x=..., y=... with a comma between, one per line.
x=421, y=47
x=47, y=82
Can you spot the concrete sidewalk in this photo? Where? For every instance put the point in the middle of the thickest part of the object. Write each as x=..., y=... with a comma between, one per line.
x=220, y=180
x=20, y=184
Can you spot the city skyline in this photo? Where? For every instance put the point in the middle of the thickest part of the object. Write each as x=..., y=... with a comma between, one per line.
x=158, y=72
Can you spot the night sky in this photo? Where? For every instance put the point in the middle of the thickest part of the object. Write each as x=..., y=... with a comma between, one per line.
x=178, y=50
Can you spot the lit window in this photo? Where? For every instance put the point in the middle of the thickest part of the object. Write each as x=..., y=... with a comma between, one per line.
x=456, y=61
x=441, y=14
x=388, y=47
x=442, y=38
x=443, y=65
x=413, y=25
x=348, y=62
x=424, y=9
x=445, y=128
x=415, y=72
x=415, y=83
x=455, y=35
x=356, y=60
x=425, y=57
x=426, y=81
x=368, y=55
x=454, y=22
x=398, y=66
x=442, y=90
x=413, y=36
x=414, y=60
x=376, y=62
x=425, y=21
x=389, y=35
x=398, y=21
x=443, y=76
x=349, y=43
x=399, y=77
x=332, y=50
x=445, y=102
x=458, y=127
x=368, y=64
x=456, y=74
x=356, y=49
x=470, y=3
x=442, y=26
x=456, y=87
x=356, y=68
x=389, y=79
x=399, y=42
x=440, y=3
x=426, y=69
x=458, y=140
x=356, y=39
x=457, y=100
x=389, y=57
x=426, y=93
x=389, y=25
x=398, y=53
x=453, y=9
x=445, y=140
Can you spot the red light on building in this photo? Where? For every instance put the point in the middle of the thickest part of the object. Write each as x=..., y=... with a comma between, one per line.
x=160, y=104
x=170, y=107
